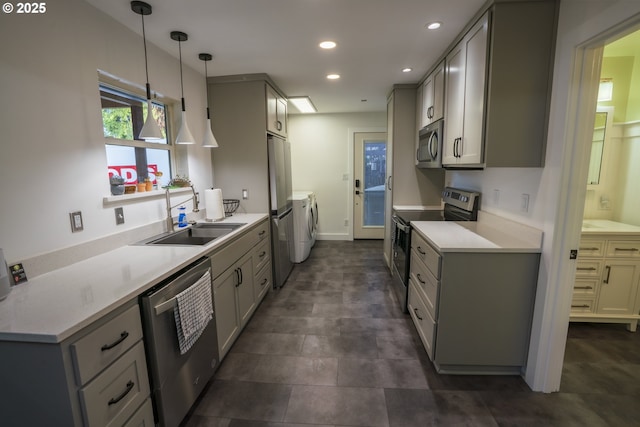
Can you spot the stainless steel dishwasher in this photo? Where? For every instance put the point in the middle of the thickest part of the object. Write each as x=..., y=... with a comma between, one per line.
x=177, y=379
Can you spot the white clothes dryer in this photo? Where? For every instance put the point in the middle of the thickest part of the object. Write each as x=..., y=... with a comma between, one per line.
x=302, y=226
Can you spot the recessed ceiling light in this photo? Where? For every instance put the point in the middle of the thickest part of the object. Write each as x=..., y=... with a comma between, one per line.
x=407, y=70
x=434, y=25
x=327, y=44
x=333, y=76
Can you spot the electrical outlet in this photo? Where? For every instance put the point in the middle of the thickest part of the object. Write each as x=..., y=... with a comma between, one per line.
x=245, y=194
x=119, y=216
x=76, y=221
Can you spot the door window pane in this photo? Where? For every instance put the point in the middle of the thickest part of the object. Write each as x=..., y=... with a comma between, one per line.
x=375, y=166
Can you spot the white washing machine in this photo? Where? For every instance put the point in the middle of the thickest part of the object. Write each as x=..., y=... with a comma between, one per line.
x=303, y=230
x=314, y=217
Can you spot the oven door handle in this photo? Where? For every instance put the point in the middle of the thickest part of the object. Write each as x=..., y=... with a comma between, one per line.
x=401, y=226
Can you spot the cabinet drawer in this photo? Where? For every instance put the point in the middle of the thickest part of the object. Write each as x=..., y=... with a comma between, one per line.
x=426, y=284
x=582, y=305
x=261, y=255
x=262, y=283
x=623, y=248
x=115, y=395
x=95, y=351
x=585, y=288
x=425, y=253
x=226, y=256
x=590, y=248
x=425, y=325
x=588, y=268
x=143, y=416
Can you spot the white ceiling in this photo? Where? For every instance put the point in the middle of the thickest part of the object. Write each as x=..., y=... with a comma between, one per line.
x=376, y=39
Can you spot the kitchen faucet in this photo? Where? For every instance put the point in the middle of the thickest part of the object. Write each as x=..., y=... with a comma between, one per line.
x=167, y=196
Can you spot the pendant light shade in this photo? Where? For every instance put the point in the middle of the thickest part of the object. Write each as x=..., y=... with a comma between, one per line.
x=209, y=140
x=184, y=134
x=150, y=130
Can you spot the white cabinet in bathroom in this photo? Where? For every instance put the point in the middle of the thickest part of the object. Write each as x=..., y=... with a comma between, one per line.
x=607, y=278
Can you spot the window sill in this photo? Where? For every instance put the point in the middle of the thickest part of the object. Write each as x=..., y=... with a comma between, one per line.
x=146, y=195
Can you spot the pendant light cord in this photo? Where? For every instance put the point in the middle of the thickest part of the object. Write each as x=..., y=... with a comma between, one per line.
x=146, y=65
x=181, y=83
x=206, y=85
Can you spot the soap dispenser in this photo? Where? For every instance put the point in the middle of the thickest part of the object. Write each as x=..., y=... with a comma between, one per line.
x=182, y=217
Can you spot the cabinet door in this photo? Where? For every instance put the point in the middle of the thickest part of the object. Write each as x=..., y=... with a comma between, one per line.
x=281, y=116
x=244, y=289
x=454, y=108
x=470, y=148
x=272, y=109
x=426, y=116
x=420, y=120
x=618, y=287
x=438, y=93
x=224, y=299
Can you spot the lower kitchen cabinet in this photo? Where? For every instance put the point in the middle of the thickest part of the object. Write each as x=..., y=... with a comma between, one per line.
x=96, y=377
x=242, y=277
x=607, y=280
x=472, y=310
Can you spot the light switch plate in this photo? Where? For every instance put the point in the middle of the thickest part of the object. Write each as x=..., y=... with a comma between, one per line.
x=119, y=216
x=76, y=221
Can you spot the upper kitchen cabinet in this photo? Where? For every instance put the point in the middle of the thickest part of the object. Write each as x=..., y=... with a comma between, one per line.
x=431, y=97
x=497, y=87
x=276, y=112
x=410, y=186
x=240, y=111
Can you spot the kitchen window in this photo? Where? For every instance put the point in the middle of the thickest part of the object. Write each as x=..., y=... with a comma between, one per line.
x=134, y=159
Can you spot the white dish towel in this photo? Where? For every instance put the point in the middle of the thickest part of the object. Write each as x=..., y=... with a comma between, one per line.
x=194, y=310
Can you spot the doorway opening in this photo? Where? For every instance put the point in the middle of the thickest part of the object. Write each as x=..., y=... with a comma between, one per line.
x=370, y=167
x=606, y=290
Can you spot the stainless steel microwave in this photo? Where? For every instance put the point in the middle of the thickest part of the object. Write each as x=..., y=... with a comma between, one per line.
x=429, y=151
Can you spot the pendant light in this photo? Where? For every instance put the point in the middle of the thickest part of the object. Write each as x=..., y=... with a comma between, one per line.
x=184, y=134
x=209, y=140
x=150, y=130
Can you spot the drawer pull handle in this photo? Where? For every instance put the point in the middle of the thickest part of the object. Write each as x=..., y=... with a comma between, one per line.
x=420, y=279
x=580, y=306
x=262, y=254
x=589, y=249
x=117, y=399
x=262, y=233
x=583, y=287
x=421, y=251
x=123, y=336
x=586, y=268
x=264, y=282
x=606, y=280
x=627, y=249
x=415, y=310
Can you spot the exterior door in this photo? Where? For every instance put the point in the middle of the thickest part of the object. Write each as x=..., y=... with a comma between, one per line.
x=370, y=165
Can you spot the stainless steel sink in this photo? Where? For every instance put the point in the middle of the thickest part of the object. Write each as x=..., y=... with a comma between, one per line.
x=198, y=234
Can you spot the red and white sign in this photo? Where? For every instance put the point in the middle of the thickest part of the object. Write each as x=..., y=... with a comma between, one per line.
x=130, y=173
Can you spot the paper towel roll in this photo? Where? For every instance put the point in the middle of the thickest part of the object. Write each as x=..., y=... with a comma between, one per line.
x=213, y=204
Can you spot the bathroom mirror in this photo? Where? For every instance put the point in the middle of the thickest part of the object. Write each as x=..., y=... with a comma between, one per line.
x=597, y=148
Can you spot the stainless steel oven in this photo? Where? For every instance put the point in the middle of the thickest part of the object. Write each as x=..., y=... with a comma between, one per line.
x=459, y=205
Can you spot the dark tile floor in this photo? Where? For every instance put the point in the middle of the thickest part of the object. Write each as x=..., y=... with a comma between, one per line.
x=332, y=348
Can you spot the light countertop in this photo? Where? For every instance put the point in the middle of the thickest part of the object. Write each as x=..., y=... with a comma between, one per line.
x=603, y=226
x=489, y=234
x=52, y=307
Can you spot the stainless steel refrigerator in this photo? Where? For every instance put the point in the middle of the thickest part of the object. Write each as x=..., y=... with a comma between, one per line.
x=281, y=208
